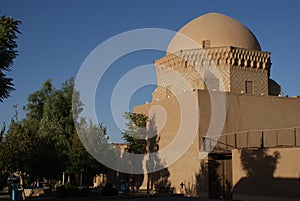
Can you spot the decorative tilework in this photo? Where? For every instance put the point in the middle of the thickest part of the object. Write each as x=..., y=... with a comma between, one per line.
x=234, y=67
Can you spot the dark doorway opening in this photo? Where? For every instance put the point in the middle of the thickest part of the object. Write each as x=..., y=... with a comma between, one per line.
x=220, y=175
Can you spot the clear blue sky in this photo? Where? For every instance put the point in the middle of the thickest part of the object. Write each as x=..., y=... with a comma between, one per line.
x=58, y=35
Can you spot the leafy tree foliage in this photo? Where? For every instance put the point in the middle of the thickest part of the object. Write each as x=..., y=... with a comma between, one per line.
x=45, y=143
x=80, y=160
x=8, y=35
x=135, y=134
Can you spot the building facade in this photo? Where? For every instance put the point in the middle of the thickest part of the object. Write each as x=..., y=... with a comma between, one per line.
x=218, y=61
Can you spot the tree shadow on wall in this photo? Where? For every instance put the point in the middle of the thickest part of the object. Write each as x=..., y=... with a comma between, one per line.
x=134, y=163
x=158, y=179
x=260, y=181
x=202, y=179
x=209, y=183
x=214, y=182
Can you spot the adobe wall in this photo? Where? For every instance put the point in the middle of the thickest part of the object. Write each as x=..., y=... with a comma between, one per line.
x=266, y=174
x=251, y=112
x=243, y=113
x=185, y=169
x=255, y=113
x=259, y=77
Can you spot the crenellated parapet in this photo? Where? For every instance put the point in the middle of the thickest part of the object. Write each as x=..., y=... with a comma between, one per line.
x=228, y=56
x=235, y=66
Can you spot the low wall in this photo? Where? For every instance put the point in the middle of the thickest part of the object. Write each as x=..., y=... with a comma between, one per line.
x=266, y=174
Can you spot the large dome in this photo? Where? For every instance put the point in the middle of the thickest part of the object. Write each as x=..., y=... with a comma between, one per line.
x=218, y=30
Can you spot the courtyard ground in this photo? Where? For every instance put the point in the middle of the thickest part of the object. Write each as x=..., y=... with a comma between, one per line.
x=132, y=198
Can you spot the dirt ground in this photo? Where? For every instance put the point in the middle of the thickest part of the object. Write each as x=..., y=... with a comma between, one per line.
x=132, y=198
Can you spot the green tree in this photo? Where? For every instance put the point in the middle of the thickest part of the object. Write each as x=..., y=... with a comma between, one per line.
x=9, y=28
x=45, y=143
x=38, y=144
x=135, y=135
x=81, y=162
x=16, y=147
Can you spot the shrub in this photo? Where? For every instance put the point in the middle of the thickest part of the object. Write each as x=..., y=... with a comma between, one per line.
x=109, y=190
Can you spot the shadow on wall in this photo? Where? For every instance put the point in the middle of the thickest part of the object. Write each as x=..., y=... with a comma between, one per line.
x=213, y=181
x=260, y=168
x=202, y=181
x=274, y=88
x=160, y=178
x=153, y=181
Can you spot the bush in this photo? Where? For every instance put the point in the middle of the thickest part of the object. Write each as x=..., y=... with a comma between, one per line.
x=61, y=191
x=109, y=190
x=3, y=181
x=69, y=190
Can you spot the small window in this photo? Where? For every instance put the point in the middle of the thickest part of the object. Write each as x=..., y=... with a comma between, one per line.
x=206, y=44
x=249, y=87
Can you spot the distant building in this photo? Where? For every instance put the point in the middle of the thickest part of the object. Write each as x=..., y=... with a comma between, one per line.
x=111, y=176
x=256, y=156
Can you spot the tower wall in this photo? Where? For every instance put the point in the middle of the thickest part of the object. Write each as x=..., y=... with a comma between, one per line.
x=236, y=70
